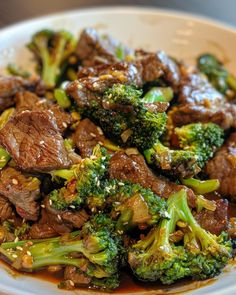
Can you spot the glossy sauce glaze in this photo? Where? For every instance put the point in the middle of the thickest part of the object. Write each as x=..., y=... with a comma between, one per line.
x=129, y=285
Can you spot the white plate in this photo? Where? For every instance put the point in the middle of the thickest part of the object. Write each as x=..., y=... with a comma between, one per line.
x=181, y=35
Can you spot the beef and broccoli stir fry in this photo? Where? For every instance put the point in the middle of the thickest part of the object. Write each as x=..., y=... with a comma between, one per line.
x=114, y=159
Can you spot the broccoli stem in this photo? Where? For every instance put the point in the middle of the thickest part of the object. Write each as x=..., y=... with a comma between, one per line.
x=159, y=94
x=201, y=186
x=5, y=116
x=4, y=157
x=61, y=98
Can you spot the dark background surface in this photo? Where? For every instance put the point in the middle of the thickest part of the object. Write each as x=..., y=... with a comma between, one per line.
x=12, y=11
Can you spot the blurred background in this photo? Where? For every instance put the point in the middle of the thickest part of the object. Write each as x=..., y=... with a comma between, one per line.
x=12, y=11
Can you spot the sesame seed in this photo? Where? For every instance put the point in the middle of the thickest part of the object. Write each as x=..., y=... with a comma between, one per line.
x=95, y=85
x=92, y=134
x=43, y=206
x=19, y=248
x=50, y=202
x=59, y=217
x=93, y=157
x=64, y=124
x=101, y=143
x=16, y=240
x=98, y=183
x=71, y=283
x=103, y=166
x=28, y=253
x=14, y=256
x=121, y=183
x=72, y=206
x=41, y=142
x=103, y=158
x=99, y=130
x=125, y=223
x=14, y=181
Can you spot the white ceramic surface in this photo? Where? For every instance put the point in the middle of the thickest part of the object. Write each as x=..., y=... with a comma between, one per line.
x=181, y=35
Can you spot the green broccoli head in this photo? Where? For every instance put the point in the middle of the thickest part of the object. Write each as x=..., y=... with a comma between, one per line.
x=124, y=117
x=200, y=138
x=178, y=163
x=83, y=180
x=197, y=254
x=97, y=254
x=51, y=49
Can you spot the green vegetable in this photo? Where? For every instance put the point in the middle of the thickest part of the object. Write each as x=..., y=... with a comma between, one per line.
x=98, y=253
x=200, y=138
x=51, y=50
x=217, y=74
x=159, y=94
x=82, y=180
x=201, y=186
x=14, y=70
x=61, y=98
x=4, y=157
x=179, y=163
x=127, y=121
x=199, y=254
x=5, y=116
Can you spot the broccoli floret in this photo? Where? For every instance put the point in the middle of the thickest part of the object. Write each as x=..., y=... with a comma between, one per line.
x=96, y=249
x=83, y=180
x=199, y=254
x=200, y=138
x=178, y=163
x=134, y=205
x=130, y=204
x=216, y=73
x=51, y=49
x=15, y=70
x=124, y=117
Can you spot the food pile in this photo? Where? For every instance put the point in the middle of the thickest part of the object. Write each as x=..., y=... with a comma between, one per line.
x=116, y=159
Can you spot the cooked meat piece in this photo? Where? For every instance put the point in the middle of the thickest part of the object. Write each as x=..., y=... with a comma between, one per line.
x=158, y=64
x=135, y=169
x=214, y=221
x=86, y=136
x=92, y=83
x=93, y=49
x=21, y=191
x=26, y=100
x=10, y=85
x=75, y=276
x=34, y=142
x=200, y=102
x=5, y=209
x=42, y=229
x=63, y=221
x=223, y=167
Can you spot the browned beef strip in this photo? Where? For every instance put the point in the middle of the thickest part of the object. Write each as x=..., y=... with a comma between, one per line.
x=5, y=209
x=26, y=100
x=63, y=221
x=200, y=102
x=10, y=85
x=158, y=64
x=223, y=167
x=34, y=142
x=42, y=229
x=75, y=276
x=86, y=136
x=21, y=191
x=214, y=221
x=93, y=49
x=92, y=83
x=135, y=169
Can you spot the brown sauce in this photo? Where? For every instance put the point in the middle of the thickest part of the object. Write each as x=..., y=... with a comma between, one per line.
x=129, y=285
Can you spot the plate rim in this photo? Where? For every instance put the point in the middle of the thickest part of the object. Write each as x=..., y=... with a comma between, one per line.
x=129, y=9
